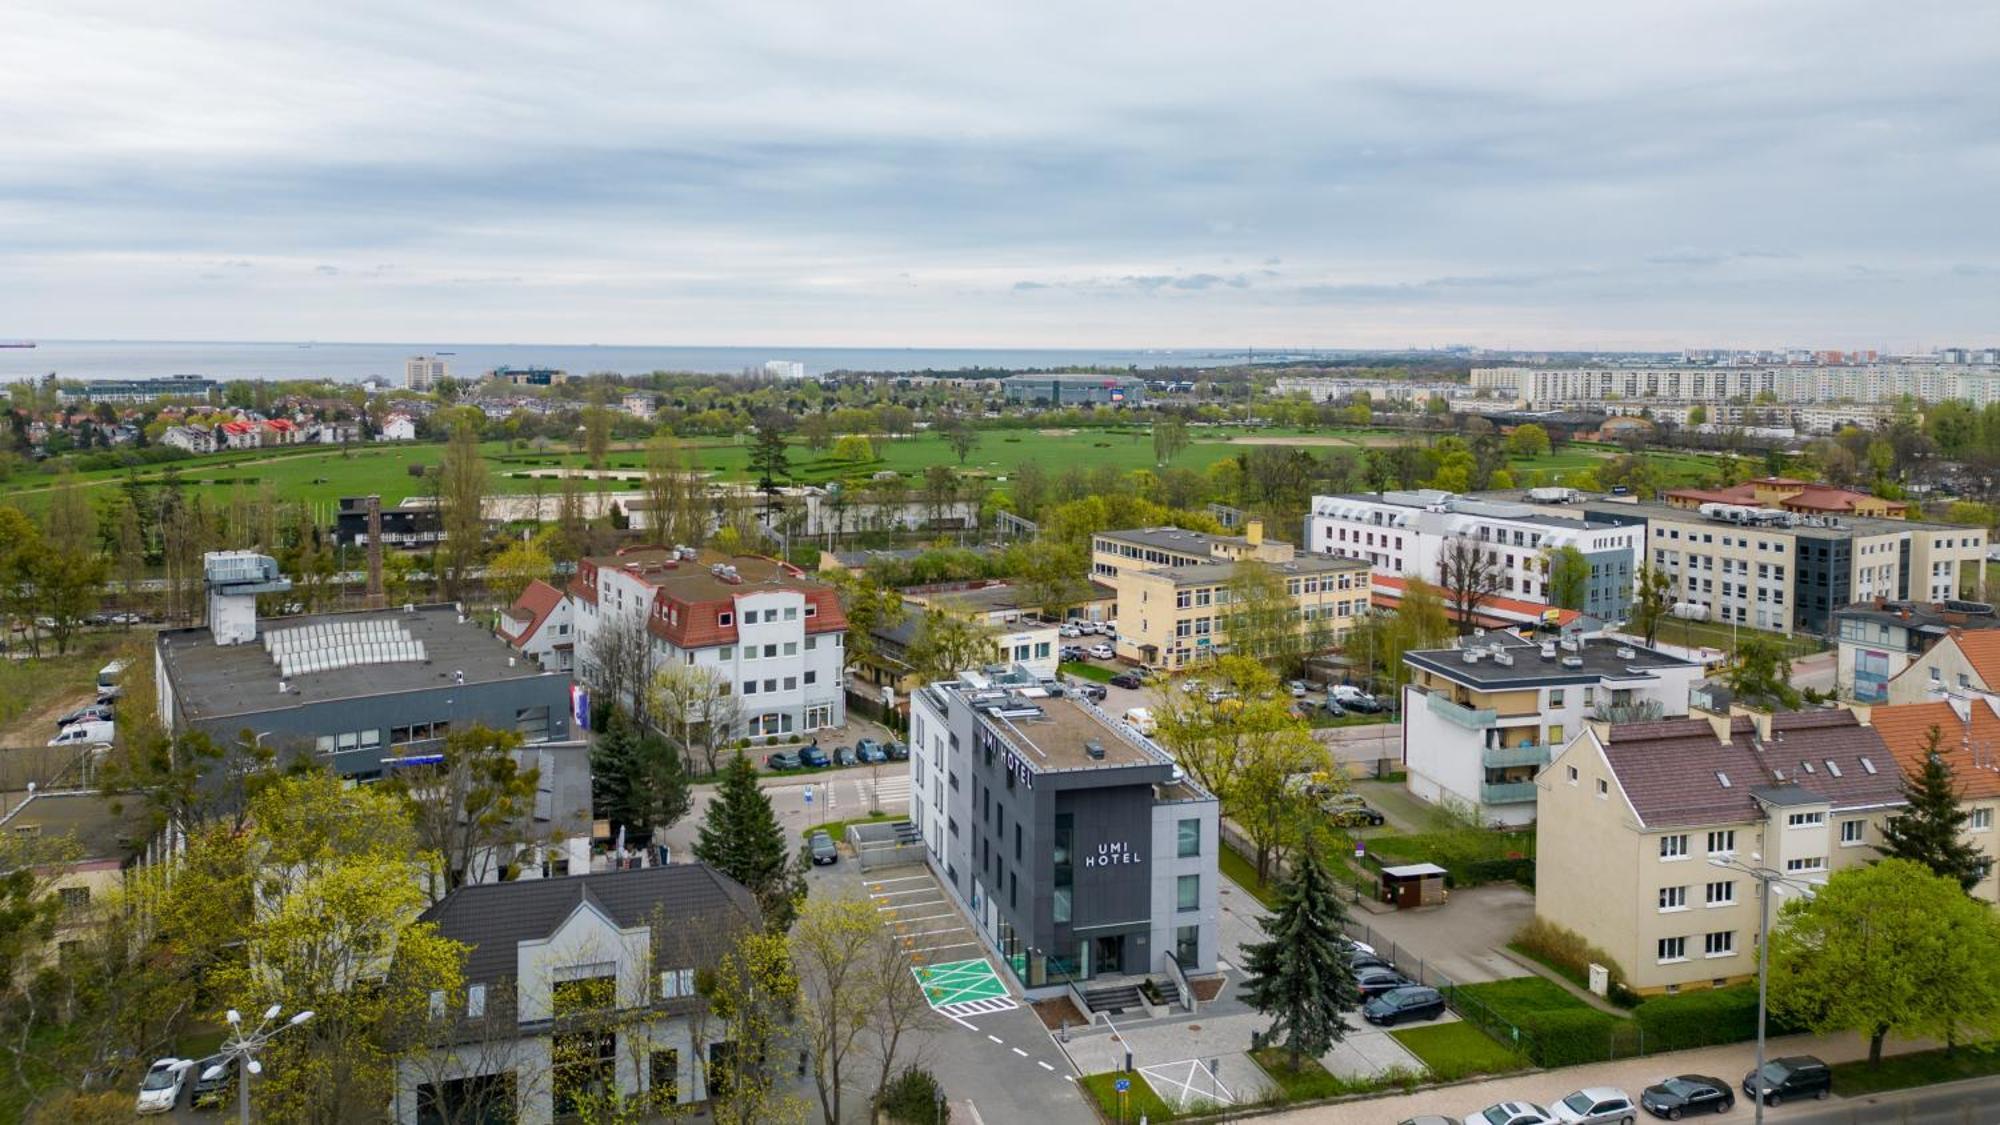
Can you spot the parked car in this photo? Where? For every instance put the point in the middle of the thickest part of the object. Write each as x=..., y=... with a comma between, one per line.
x=1673, y=1098
x=1096, y=693
x=870, y=751
x=1358, y=961
x=1795, y=1077
x=89, y=712
x=1141, y=720
x=1429, y=1119
x=823, y=851
x=814, y=758
x=897, y=752
x=1069, y=631
x=1333, y=709
x=1359, y=947
x=1511, y=1113
x=1375, y=980
x=783, y=760
x=1353, y=698
x=160, y=1090
x=212, y=1091
x=110, y=694
x=1398, y=1004
x=1298, y=688
x=1127, y=680
x=843, y=756
x=86, y=733
x=1190, y=685
x=1101, y=652
x=1596, y=1105
x=1349, y=809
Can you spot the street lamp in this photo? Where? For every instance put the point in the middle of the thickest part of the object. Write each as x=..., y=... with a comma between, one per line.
x=241, y=1048
x=1770, y=881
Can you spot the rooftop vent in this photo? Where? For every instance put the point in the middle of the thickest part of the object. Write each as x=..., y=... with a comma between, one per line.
x=1572, y=661
x=1503, y=657
x=1095, y=749
x=1470, y=655
x=1548, y=650
x=1627, y=654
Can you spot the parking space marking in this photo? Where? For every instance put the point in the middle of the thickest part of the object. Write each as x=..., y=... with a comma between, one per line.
x=1020, y=1052
x=997, y=1039
x=1179, y=1083
x=899, y=879
x=1045, y=1066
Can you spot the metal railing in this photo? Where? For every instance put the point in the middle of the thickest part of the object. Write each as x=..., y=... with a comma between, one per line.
x=1525, y=754
x=1506, y=792
x=1471, y=718
x=1181, y=982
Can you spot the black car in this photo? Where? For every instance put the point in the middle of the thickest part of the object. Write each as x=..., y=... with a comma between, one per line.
x=1398, y=1004
x=1126, y=680
x=1093, y=692
x=1352, y=812
x=1674, y=1098
x=1358, y=961
x=1796, y=1077
x=782, y=760
x=897, y=752
x=822, y=849
x=212, y=1091
x=88, y=713
x=1375, y=980
x=814, y=758
x=843, y=756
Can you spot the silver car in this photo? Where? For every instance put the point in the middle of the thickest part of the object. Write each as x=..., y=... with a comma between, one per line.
x=1596, y=1105
x=1512, y=1113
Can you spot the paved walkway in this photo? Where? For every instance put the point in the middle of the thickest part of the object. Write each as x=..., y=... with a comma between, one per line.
x=1729, y=1063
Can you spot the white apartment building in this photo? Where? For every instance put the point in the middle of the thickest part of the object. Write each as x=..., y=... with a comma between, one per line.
x=1479, y=721
x=422, y=372
x=1782, y=383
x=774, y=637
x=1409, y=533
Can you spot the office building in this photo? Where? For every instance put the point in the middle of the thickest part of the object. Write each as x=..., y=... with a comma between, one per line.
x=1629, y=815
x=772, y=635
x=406, y=525
x=195, y=387
x=1074, y=842
x=1479, y=721
x=1409, y=534
x=422, y=372
x=577, y=985
x=1879, y=639
x=1076, y=390
x=1776, y=384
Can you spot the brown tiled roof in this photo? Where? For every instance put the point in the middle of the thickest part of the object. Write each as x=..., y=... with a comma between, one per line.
x=1672, y=770
x=1968, y=740
x=534, y=606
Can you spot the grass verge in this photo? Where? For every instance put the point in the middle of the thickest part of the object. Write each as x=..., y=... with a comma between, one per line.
x=1139, y=1101
x=1920, y=1068
x=1243, y=873
x=838, y=828
x=1451, y=1051
x=1088, y=672
x=1309, y=1082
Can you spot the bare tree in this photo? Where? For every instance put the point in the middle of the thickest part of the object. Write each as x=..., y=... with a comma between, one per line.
x=674, y=494
x=695, y=706
x=462, y=488
x=619, y=662
x=474, y=809
x=1469, y=576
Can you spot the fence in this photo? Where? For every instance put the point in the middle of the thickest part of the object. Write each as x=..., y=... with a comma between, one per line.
x=881, y=844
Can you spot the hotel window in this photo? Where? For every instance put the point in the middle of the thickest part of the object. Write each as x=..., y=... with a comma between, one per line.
x=1722, y=893
x=1673, y=949
x=1721, y=943
x=1187, y=945
x=1189, y=840
x=1187, y=893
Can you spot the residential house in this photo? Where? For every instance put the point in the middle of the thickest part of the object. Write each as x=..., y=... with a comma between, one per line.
x=239, y=433
x=1879, y=639
x=1481, y=720
x=1633, y=821
x=1965, y=660
x=194, y=439
x=540, y=626
x=572, y=985
x=1968, y=729
x=398, y=427
x=99, y=835
x=1802, y=496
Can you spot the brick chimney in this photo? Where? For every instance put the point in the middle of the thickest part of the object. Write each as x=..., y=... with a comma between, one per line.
x=376, y=598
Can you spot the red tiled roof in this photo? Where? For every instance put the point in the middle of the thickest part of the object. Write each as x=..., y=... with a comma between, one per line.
x=1981, y=649
x=688, y=598
x=1672, y=770
x=534, y=606
x=1906, y=730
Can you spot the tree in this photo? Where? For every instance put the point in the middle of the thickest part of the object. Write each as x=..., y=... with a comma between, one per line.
x=596, y=434
x=638, y=782
x=1697, y=415
x=740, y=837
x=869, y=607
x=474, y=810
x=1970, y=513
x=1931, y=828
x=66, y=587
x=1652, y=601
x=830, y=954
x=1170, y=436
x=618, y=660
x=1888, y=947
x=753, y=991
x=1469, y=575
x=1276, y=813
x=961, y=435
x=1052, y=578
x=1569, y=577
x=1528, y=440
x=854, y=447
x=949, y=643
x=817, y=429
x=524, y=562
x=1300, y=975
x=700, y=712
x=1261, y=619
x=677, y=509
x=769, y=460
x=462, y=488
x=1760, y=672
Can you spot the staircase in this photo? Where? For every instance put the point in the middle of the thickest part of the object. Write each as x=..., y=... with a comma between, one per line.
x=1115, y=999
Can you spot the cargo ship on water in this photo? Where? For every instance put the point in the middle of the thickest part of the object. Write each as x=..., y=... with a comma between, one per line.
x=17, y=343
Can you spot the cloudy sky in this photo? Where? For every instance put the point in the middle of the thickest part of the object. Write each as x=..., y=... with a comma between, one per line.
x=1022, y=173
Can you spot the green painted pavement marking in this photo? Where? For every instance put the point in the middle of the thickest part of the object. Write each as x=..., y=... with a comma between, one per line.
x=956, y=982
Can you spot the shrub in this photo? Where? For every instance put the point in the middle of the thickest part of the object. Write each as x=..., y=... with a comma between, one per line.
x=1566, y=951
x=914, y=1097
x=1699, y=1019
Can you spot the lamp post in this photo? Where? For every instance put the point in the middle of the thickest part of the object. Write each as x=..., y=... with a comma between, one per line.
x=241, y=1048
x=1770, y=881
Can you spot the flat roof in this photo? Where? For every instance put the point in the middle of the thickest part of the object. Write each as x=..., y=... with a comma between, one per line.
x=1849, y=526
x=1196, y=574
x=1602, y=659
x=212, y=681
x=1178, y=539
x=1928, y=617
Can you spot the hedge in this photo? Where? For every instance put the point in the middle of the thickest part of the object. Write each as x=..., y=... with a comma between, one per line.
x=1702, y=1019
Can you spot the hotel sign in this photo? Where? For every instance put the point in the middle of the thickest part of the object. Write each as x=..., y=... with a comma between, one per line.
x=1112, y=854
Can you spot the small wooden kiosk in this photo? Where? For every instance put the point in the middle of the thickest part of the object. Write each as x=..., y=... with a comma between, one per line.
x=1413, y=884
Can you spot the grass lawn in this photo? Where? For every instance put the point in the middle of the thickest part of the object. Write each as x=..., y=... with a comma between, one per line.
x=1243, y=873
x=1920, y=1068
x=838, y=828
x=1308, y=1083
x=1456, y=1050
x=1087, y=672
x=1139, y=1101
x=1519, y=998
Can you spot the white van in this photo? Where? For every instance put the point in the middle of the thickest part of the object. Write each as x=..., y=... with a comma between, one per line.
x=1141, y=720
x=85, y=733
x=108, y=676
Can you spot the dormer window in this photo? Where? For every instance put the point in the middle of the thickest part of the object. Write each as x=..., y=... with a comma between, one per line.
x=812, y=610
x=725, y=619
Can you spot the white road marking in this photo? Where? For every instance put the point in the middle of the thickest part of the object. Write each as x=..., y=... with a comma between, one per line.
x=930, y=917
x=997, y=1039
x=1045, y=1066
x=1020, y=1052
x=893, y=894
x=901, y=879
x=934, y=933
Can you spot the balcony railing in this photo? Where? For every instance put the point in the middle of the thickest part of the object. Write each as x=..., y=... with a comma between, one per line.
x=1526, y=754
x=1468, y=717
x=1506, y=792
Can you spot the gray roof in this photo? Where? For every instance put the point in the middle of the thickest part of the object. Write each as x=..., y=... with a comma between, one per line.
x=1927, y=617
x=1673, y=771
x=1196, y=574
x=1846, y=527
x=1602, y=660
x=211, y=680
x=1175, y=539
x=100, y=831
x=494, y=918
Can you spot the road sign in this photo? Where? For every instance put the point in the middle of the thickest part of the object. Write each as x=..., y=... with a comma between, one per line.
x=809, y=795
x=1122, y=1085
x=1360, y=848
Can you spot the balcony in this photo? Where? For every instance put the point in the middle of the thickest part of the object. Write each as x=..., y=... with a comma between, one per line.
x=1506, y=792
x=1468, y=717
x=1527, y=754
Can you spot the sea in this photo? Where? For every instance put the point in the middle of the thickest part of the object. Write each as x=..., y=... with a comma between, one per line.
x=353, y=362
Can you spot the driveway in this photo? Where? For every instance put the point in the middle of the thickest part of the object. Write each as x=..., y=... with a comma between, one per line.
x=1459, y=940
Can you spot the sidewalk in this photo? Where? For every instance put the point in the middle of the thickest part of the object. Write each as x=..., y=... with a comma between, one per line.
x=1728, y=1063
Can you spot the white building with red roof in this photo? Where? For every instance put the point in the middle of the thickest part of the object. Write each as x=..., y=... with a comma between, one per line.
x=773, y=636
x=541, y=625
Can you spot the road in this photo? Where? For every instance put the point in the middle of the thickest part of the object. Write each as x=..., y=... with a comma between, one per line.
x=1974, y=1102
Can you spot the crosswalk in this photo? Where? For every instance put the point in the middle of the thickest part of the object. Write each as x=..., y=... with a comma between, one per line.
x=969, y=1008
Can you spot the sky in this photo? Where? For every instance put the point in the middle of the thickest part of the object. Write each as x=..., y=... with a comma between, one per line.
x=1028, y=173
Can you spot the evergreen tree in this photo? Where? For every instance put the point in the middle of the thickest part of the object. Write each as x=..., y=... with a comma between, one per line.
x=638, y=781
x=741, y=838
x=1930, y=831
x=1301, y=977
